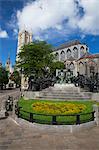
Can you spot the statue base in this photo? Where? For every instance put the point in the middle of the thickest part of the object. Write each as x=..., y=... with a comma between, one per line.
x=63, y=85
x=67, y=87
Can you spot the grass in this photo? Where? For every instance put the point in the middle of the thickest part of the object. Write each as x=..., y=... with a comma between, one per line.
x=47, y=119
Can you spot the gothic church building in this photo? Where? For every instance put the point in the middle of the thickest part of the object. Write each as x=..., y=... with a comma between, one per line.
x=74, y=54
x=77, y=58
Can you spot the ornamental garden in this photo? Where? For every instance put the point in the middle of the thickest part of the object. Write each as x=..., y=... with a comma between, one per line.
x=58, y=112
x=38, y=69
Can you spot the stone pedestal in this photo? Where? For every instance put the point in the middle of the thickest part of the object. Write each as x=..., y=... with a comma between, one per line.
x=63, y=85
x=2, y=114
x=96, y=109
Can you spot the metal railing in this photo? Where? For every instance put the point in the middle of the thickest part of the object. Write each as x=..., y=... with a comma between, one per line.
x=55, y=119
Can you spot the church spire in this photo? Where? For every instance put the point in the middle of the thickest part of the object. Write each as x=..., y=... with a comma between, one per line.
x=0, y=63
x=8, y=63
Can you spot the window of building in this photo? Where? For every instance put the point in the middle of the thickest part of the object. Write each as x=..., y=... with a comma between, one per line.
x=57, y=56
x=86, y=49
x=82, y=51
x=68, y=53
x=62, y=56
x=71, y=66
x=75, y=52
x=81, y=68
x=91, y=69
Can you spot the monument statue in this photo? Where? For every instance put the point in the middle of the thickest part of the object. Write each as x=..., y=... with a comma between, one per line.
x=64, y=76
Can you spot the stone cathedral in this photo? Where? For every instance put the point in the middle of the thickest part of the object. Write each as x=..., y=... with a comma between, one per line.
x=75, y=55
x=24, y=37
x=77, y=58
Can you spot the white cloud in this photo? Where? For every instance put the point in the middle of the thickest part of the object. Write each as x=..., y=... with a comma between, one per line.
x=83, y=36
x=60, y=15
x=44, y=14
x=3, y=33
x=15, y=33
x=38, y=37
x=89, y=23
x=58, y=27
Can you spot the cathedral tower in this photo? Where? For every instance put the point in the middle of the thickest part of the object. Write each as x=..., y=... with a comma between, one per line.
x=24, y=37
x=8, y=64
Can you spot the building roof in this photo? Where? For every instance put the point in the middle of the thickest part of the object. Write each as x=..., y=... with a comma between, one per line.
x=89, y=56
x=68, y=44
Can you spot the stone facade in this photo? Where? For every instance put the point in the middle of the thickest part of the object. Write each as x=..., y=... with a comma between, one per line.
x=24, y=37
x=74, y=54
x=73, y=49
x=10, y=70
x=88, y=65
x=9, y=66
x=77, y=58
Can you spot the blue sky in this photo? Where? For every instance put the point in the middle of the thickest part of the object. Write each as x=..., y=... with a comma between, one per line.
x=54, y=21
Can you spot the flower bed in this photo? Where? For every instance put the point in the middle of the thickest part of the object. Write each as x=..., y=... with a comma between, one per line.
x=43, y=111
x=58, y=108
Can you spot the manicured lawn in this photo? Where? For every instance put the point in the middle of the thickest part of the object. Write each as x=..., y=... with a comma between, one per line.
x=46, y=117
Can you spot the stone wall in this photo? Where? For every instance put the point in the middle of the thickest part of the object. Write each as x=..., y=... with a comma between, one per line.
x=95, y=96
x=96, y=115
x=35, y=95
x=31, y=95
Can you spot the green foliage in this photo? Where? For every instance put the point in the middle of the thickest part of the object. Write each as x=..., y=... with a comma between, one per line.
x=34, y=58
x=16, y=77
x=3, y=77
x=56, y=65
x=28, y=107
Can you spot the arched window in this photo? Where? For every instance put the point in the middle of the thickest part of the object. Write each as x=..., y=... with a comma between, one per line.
x=68, y=53
x=82, y=51
x=75, y=52
x=81, y=68
x=62, y=56
x=92, y=66
x=57, y=56
x=92, y=69
x=86, y=49
x=71, y=66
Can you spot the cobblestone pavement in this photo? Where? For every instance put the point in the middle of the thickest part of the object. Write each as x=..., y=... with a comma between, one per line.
x=25, y=136
x=4, y=92
x=4, y=95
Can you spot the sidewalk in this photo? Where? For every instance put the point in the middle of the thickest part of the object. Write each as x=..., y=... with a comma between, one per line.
x=22, y=136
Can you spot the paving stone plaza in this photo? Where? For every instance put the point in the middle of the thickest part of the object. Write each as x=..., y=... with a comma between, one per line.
x=22, y=136
x=18, y=134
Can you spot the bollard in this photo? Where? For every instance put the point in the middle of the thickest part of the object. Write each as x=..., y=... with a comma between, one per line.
x=96, y=109
x=54, y=120
x=93, y=115
x=77, y=119
x=31, y=117
x=18, y=111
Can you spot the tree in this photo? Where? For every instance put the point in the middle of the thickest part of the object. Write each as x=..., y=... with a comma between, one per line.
x=3, y=77
x=15, y=76
x=56, y=65
x=34, y=58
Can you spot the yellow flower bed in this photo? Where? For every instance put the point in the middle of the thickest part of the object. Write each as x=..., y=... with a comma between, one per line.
x=57, y=108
